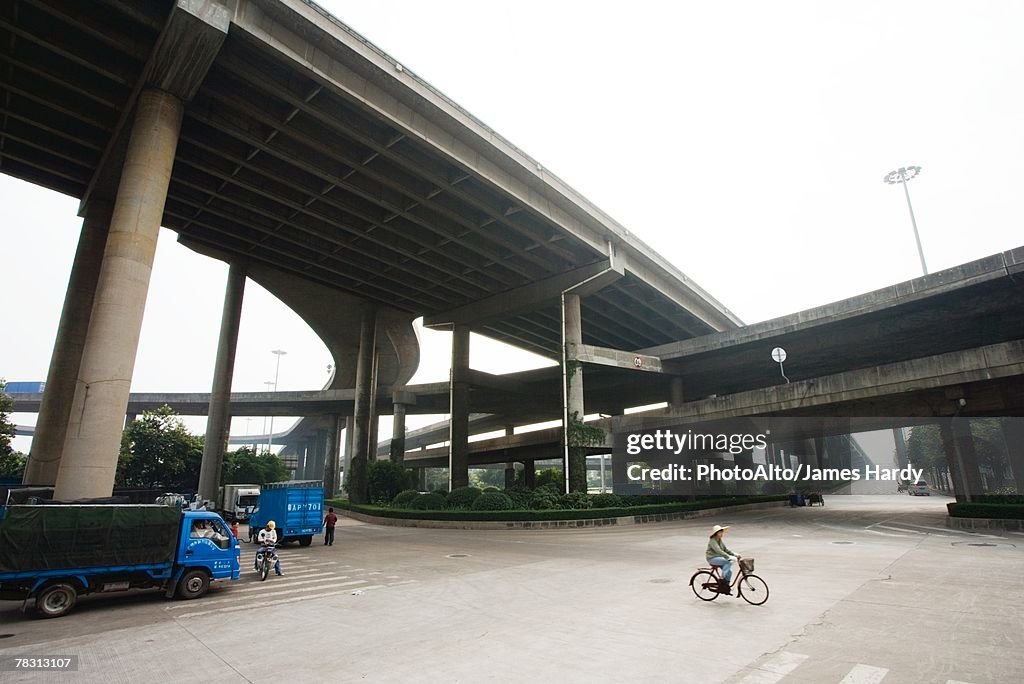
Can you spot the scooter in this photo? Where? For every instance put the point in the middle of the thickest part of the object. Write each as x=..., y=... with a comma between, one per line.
x=266, y=558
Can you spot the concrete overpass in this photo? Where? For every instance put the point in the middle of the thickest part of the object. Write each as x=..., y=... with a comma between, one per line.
x=902, y=355
x=270, y=135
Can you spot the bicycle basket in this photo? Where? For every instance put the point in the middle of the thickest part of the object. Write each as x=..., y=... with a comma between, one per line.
x=747, y=564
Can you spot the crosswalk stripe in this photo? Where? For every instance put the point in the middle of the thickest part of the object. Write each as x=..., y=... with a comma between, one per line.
x=276, y=602
x=865, y=674
x=287, y=583
x=278, y=591
x=775, y=669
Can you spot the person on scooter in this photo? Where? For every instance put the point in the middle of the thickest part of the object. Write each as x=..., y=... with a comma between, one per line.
x=268, y=536
x=719, y=554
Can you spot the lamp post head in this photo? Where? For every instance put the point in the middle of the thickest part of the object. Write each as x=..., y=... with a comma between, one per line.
x=902, y=174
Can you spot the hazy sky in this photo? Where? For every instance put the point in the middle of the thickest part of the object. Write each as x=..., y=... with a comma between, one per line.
x=745, y=141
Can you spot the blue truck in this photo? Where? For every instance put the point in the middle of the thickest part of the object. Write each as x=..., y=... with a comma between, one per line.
x=50, y=554
x=296, y=506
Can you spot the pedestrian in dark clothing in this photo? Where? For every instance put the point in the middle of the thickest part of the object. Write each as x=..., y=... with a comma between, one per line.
x=329, y=522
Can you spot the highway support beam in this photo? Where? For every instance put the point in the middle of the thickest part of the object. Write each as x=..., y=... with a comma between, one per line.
x=55, y=408
x=358, y=479
x=187, y=46
x=575, y=453
x=218, y=422
x=331, y=471
x=963, y=460
x=1013, y=437
x=400, y=399
x=458, y=424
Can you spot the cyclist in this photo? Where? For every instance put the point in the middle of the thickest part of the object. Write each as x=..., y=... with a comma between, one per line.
x=268, y=536
x=719, y=554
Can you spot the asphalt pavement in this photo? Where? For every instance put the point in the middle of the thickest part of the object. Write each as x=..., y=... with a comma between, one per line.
x=866, y=589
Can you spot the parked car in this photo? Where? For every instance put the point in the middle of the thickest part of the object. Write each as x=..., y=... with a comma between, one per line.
x=919, y=488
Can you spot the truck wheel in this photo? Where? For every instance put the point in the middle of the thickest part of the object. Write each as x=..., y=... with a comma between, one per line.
x=193, y=584
x=56, y=600
x=306, y=541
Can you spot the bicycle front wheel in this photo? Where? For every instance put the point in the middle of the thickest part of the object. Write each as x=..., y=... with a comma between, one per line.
x=753, y=589
x=704, y=585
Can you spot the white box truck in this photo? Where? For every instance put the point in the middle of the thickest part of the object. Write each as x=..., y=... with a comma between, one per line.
x=237, y=501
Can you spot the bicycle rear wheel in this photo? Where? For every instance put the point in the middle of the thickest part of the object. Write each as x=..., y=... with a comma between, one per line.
x=704, y=585
x=753, y=589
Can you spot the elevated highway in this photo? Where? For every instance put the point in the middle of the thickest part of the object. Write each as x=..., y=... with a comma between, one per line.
x=269, y=135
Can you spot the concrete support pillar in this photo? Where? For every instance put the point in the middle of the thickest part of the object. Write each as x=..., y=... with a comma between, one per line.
x=320, y=463
x=373, y=437
x=963, y=461
x=576, y=455
x=421, y=479
x=89, y=461
x=530, y=474
x=346, y=467
x=55, y=409
x=458, y=425
x=218, y=422
x=301, y=451
x=1013, y=436
x=331, y=471
x=510, y=466
x=398, y=434
x=676, y=398
x=358, y=492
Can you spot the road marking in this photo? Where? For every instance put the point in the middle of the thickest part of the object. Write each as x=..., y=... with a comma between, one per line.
x=277, y=591
x=775, y=669
x=896, y=529
x=286, y=582
x=864, y=674
x=277, y=602
x=955, y=681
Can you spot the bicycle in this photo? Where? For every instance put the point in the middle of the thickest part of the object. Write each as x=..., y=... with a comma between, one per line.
x=750, y=587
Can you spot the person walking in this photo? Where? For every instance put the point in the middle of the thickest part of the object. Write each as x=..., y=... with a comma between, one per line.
x=330, y=520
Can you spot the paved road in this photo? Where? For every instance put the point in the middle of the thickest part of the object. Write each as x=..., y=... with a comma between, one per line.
x=867, y=589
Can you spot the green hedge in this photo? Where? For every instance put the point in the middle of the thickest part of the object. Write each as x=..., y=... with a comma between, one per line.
x=986, y=510
x=550, y=514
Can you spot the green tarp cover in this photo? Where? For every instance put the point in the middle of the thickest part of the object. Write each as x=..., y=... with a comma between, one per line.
x=66, y=537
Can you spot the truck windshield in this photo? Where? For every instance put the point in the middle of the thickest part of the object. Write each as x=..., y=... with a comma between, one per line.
x=249, y=500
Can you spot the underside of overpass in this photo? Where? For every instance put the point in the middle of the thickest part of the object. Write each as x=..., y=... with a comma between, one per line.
x=269, y=135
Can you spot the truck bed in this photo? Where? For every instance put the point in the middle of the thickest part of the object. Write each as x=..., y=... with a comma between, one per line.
x=41, y=538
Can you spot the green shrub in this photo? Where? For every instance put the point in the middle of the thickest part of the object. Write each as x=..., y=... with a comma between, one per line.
x=428, y=502
x=492, y=501
x=462, y=497
x=606, y=500
x=491, y=489
x=986, y=510
x=575, y=501
x=403, y=498
x=540, y=500
x=549, y=488
x=519, y=495
x=551, y=476
x=1001, y=496
x=385, y=479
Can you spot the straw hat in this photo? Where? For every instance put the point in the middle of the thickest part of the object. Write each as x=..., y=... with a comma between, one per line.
x=718, y=528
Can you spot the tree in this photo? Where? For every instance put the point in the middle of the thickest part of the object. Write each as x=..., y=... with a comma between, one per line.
x=12, y=463
x=244, y=466
x=6, y=426
x=157, y=451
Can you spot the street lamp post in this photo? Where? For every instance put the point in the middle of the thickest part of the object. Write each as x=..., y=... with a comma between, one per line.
x=270, y=436
x=903, y=175
x=268, y=384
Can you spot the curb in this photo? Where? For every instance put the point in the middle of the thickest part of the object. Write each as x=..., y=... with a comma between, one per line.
x=556, y=524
